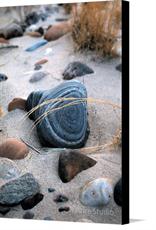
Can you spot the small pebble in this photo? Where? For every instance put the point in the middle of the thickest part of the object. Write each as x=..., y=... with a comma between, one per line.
x=40, y=30
x=4, y=210
x=51, y=190
x=48, y=218
x=60, y=199
x=28, y=215
x=32, y=201
x=41, y=62
x=3, y=77
x=64, y=209
x=37, y=67
x=38, y=76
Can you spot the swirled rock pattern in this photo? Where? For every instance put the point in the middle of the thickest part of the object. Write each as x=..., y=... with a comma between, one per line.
x=67, y=126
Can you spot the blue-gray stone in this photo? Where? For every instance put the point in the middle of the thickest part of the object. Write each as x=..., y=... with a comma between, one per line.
x=14, y=191
x=66, y=127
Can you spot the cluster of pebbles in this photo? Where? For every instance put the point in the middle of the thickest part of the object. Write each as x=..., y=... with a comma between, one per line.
x=67, y=128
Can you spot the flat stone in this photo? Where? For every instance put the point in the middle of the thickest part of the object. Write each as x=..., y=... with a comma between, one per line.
x=31, y=201
x=76, y=69
x=71, y=163
x=38, y=76
x=64, y=209
x=66, y=127
x=13, y=149
x=8, y=170
x=14, y=191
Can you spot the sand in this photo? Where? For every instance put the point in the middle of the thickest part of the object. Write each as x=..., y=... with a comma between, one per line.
x=104, y=121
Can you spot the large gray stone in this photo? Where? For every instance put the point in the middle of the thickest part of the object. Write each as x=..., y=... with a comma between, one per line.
x=15, y=191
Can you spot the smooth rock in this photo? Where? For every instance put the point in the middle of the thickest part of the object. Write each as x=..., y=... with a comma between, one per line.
x=38, y=76
x=96, y=193
x=16, y=103
x=41, y=62
x=76, y=69
x=36, y=45
x=58, y=30
x=4, y=210
x=8, y=170
x=66, y=127
x=51, y=190
x=61, y=198
x=38, y=67
x=11, y=31
x=15, y=191
x=3, y=77
x=34, y=34
x=13, y=149
x=118, y=192
x=31, y=201
x=71, y=163
x=64, y=209
x=28, y=215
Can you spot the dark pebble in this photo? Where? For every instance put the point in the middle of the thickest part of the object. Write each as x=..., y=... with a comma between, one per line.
x=76, y=69
x=64, y=209
x=119, y=67
x=28, y=215
x=32, y=201
x=38, y=67
x=51, y=190
x=40, y=30
x=3, y=77
x=118, y=193
x=48, y=218
x=4, y=210
x=61, y=19
x=32, y=18
x=60, y=199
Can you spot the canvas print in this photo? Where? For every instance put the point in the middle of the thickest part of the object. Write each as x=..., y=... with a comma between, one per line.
x=60, y=112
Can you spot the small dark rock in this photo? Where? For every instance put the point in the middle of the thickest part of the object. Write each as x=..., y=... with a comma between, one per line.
x=48, y=218
x=60, y=199
x=118, y=193
x=40, y=30
x=38, y=67
x=31, y=201
x=119, y=67
x=61, y=19
x=4, y=210
x=71, y=163
x=51, y=190
x=14, y=191
x=28, y=215
x=64, y=209
x=76, y=69
x=32, y=18
x=3, y=77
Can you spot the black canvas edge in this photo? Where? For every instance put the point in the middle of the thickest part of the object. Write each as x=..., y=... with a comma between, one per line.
x=125, y=112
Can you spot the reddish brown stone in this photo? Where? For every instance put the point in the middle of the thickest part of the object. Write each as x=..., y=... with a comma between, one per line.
x=72, y=163
x=41, y=62
x=58, y=31
x=17, y=103
x=13, y=149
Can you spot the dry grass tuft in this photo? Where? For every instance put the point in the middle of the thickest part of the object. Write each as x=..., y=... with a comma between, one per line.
x=96, y=26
